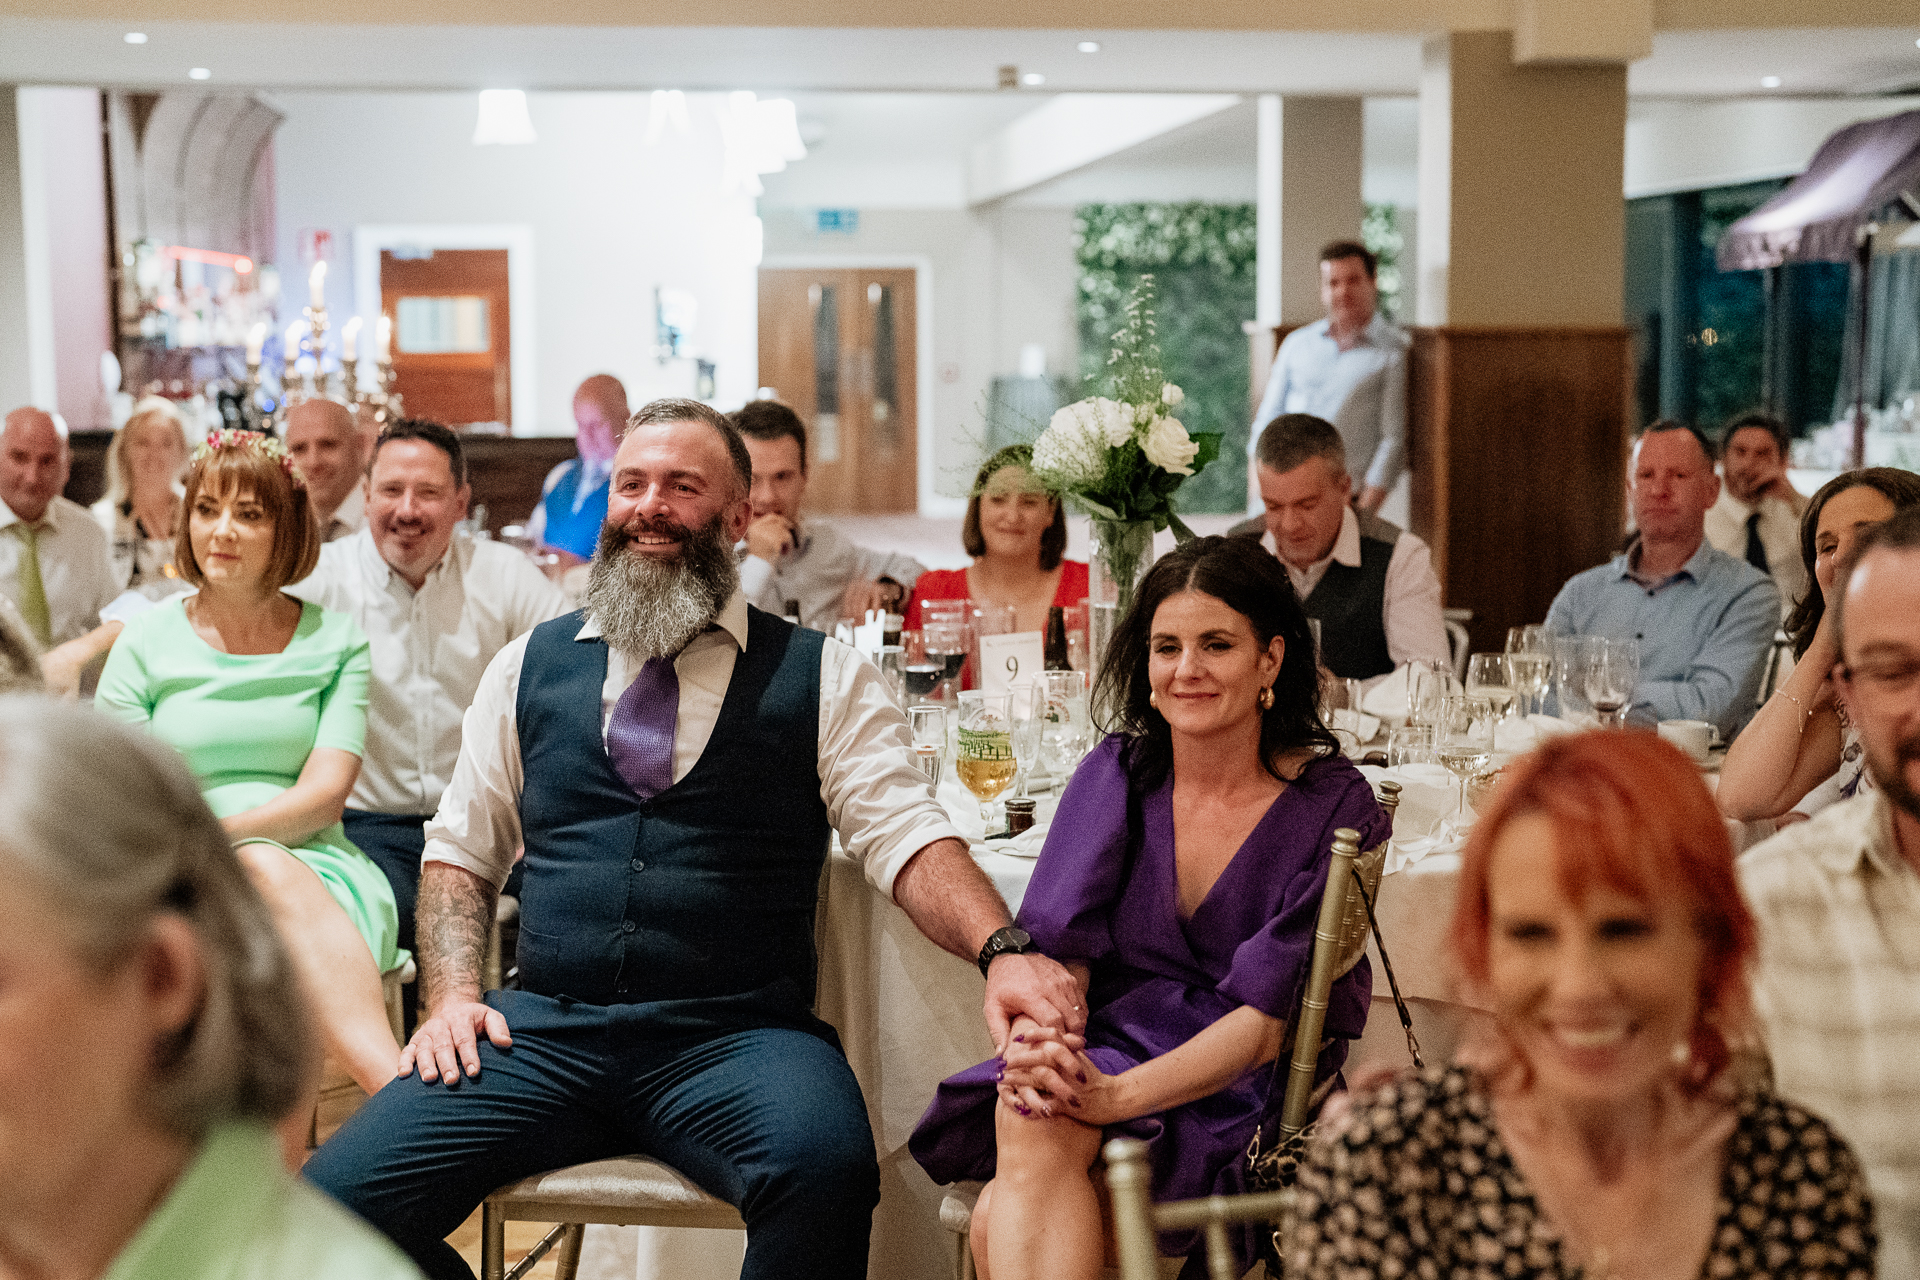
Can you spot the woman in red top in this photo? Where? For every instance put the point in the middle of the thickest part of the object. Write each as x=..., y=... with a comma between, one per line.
x=1016, y=532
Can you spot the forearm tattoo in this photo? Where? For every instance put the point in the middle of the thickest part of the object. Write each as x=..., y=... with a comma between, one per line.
x=454, y=923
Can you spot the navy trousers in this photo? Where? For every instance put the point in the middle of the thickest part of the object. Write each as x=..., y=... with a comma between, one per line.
x=770, y=1120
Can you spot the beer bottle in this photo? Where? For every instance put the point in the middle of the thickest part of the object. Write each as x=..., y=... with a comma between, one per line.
x=1056, y=640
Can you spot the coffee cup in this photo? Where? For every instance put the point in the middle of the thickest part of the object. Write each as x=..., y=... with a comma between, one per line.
x=1695, y=737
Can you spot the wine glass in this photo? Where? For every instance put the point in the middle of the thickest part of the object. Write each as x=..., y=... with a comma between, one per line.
x=1028, y=703
x=920, y=670
x=985, y=759
x=1463, y=741
x=1065, y=735
x=1410, y=744
x=945, y=643
x=928, y=727
x=1489, y=676
x=892, y=662
x=1428, y=684
x=1529, y=664
x=1569, y=677
x=1612, y=670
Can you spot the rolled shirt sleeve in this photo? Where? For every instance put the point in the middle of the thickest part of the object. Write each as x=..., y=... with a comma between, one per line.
x=1416, y=627
x=477, y=826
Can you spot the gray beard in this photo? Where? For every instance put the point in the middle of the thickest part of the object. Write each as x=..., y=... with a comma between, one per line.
x=649, y=608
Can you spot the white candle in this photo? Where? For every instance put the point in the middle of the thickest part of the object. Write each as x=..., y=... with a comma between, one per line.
x=317, y=285
x=386, y=339
x=293, y=340
x=256, y=339
x=349, y=339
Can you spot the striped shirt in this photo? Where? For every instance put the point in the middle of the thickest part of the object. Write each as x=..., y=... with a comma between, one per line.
x=1838, y=994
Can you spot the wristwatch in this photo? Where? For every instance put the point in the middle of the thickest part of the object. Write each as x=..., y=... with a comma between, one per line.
x=1010, y=941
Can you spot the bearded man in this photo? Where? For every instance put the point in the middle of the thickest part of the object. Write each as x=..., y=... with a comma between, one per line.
x=672, y=760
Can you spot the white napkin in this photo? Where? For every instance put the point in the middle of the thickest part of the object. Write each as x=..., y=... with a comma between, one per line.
x=1545, y=727
x=1354, y=729
x=1388, y=699
x=1514, y=736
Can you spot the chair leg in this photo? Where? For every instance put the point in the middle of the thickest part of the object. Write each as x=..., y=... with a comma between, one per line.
x=963, y=1267
x=493, y=1243
x=567, y=1261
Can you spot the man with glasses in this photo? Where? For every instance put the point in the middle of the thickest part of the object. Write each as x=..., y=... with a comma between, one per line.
x=1838, y=904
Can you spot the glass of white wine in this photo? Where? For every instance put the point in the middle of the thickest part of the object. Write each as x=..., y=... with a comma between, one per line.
x=928, y=726
x=1529, y=664
x=1489, y=677
x=1463, y=741
x=984, y=759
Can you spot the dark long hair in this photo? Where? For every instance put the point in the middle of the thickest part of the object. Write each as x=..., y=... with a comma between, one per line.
x=1901, y=488
x=1242, y=575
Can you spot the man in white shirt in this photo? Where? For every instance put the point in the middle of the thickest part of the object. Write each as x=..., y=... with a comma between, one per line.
x=54, y=559
x=1370, y=584
x=326, y=445
x=1837, y=900
x=673, y=762
x=1350, y=369
x=1757, y=515
x=787, y=558
x=436, y=607
x=573, y=498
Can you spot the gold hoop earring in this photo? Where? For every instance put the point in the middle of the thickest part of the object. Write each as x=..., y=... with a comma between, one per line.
x=1266, y=697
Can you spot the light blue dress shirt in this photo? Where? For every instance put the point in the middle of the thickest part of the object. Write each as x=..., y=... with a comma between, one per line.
x=1362, y=391
x=1704, y=633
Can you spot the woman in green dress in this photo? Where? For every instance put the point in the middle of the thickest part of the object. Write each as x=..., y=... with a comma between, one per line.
x=266, y=698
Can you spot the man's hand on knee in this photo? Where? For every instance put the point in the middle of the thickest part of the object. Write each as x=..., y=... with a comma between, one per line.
x=449, y=1040
x=1033, y=986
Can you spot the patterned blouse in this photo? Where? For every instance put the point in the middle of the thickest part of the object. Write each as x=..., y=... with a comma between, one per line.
x=1419, y=1184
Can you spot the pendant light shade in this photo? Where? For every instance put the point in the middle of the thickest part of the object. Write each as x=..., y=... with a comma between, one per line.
x=503, y=119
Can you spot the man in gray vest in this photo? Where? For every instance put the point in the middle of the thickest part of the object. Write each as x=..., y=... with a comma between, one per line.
x=674, y=762
x=1369, y=583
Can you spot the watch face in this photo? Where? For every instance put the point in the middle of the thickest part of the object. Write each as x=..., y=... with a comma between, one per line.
x=1019, y=937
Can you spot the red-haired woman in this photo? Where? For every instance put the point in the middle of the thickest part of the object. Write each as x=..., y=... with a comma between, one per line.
x=1594, y=1128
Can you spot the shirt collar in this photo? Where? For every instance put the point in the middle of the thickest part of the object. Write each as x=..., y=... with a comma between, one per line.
x=1695, y=567
x=376, y=566
x=1346, y=547
x=732, y=620
x=47, y=520
x=1875, y=845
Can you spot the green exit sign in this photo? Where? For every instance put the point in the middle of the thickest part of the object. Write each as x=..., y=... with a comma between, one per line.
x=836, y=222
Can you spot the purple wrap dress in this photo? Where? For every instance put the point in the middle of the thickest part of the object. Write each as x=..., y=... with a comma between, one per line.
x=1105, y=893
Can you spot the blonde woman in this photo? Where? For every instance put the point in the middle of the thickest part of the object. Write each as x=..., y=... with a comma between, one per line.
x=145, y=461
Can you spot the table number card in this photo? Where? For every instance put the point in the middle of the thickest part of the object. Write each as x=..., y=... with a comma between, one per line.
x=1010, y=658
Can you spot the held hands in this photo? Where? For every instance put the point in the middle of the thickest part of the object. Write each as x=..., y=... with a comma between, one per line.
x=448, y=1040
x=1033, y=987
x=770, y=537
x=1048, y=1076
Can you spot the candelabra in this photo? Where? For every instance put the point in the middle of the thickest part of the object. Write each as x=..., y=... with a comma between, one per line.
x=374, y=410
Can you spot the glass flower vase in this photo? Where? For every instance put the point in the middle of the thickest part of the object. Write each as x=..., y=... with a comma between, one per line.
x=1122, y=553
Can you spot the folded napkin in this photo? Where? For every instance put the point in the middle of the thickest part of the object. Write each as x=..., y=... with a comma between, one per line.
x=1388, y=699
x=1354, y=729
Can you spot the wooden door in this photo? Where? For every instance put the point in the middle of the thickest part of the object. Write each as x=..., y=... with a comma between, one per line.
x=839, y=346
x=450, y=341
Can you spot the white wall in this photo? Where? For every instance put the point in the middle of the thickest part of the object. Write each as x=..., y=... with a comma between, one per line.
x=1684, y=146
x=610, y=217
x=64, y=188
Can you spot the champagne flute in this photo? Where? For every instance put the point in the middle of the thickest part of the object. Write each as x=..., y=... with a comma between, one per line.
x=1529, y=663
x=927, y=726
x=1489, y=676
x=1612, y=670
x=1028, y=702
x=892, y=662
x=985, y=760
x=1463, y=741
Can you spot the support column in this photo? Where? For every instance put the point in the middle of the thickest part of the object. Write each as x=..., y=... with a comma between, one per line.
x=16, y=362
x=1520, y=374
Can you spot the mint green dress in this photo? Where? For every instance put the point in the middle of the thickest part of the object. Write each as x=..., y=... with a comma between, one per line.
x=245, y=723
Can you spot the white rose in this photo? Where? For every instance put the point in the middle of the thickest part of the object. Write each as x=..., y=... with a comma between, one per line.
x=1072, y=450
x=1171, y=396
x=1113, y=420
x=1168, y=447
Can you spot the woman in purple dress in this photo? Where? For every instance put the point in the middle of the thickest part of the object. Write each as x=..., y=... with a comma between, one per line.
x=1180, y=883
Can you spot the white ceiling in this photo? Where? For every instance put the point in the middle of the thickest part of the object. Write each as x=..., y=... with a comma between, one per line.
x=320, y=55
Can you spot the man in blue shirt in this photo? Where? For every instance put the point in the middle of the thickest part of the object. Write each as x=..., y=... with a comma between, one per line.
x=573, y=500
x=1704, y=619
x=1350, y=369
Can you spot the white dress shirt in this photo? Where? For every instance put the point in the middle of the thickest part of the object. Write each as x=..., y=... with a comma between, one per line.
x=76, y=571
x=1410, y=604
x=876, y=797
x=430, y=648
x=349, y=519
x=1779, y=536
x=824, y=562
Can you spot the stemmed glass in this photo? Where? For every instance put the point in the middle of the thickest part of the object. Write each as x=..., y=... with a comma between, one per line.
x=1569, y=677
x=946, y=644
x=1611, y=670
x=928, y=726
x=1028, y=702
x=1489, y=676
x=1428, y=684
x=1529, y=663
x=1463, y=741
x=1065, y=734
x=985, y=758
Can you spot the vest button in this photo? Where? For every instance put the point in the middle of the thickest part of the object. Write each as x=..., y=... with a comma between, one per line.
x=628, y=926
x=639, y=865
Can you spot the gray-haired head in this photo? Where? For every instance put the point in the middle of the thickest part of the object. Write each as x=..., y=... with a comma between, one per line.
x=109, y=826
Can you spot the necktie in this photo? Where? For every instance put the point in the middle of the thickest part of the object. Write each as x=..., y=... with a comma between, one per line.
x=640, y=734
x=33, y=592
x=1756, y=554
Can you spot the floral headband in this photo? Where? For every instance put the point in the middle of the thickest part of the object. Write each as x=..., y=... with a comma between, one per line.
x=259, y=442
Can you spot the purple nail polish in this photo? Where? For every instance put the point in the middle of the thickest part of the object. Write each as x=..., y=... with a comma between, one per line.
x=1023, y=1111
x=1019, y=1039
x=998, y=1076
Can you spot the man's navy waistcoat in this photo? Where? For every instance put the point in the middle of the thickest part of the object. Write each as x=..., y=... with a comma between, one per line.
x=1350, y=602
x=705, y=893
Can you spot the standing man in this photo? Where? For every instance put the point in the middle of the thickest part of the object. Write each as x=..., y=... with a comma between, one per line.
x=1350, y=369
x=1837, y=900
x=812, y=562
x=54, y=557
x=1704, y=620
x=330, y=451
x=1757, y=516
x=1371, y=585
x=436, y=608
x=573, y=501
x=673, y=761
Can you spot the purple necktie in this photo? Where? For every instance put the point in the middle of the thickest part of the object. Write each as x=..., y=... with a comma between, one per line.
x=640, y=734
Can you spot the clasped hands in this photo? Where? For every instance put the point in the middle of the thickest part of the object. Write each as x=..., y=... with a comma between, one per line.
x=1048, y=1075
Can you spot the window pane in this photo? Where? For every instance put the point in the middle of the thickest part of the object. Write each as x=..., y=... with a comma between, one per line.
x=434, y=325
x=886, y=377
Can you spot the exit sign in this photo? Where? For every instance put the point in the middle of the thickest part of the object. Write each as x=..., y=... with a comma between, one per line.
x=836, y=222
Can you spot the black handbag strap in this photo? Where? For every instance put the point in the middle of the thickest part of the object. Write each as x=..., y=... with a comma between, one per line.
x=1393, y=984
